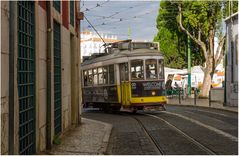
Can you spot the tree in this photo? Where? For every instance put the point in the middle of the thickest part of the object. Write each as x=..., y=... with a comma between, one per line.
x=173, y=42
x=205, y=19
x=202, y=22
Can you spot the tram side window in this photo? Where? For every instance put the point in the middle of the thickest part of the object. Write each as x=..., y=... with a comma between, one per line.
x=137, y=69
x=100, y=75
x=111, y=74
x=85, y=78
x=151, y=69
x=89, y=81
x=95, y=77
x=161, y=69
x=105, y=75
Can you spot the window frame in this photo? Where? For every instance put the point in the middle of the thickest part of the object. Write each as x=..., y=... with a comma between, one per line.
x=139, y=72
x=155, y=69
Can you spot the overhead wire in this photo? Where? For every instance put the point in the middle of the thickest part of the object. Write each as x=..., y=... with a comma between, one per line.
x=124, y=19
x=118, y=12
x=109, y=17
x=94, y=29
x=97, y=5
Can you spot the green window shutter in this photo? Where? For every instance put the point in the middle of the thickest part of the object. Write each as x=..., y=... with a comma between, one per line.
x=26, y=77
x=57, y=5
x=57, y=77
x=72, y=13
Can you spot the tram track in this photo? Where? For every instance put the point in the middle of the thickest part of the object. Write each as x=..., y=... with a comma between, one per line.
x=189, y=138
x=151, y=138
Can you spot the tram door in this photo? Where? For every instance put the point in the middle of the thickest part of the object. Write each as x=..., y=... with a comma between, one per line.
x=124, y=84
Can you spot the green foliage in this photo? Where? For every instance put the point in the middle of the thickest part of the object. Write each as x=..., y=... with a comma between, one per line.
x=173, y=42
x=168, y=46
x=230, y=8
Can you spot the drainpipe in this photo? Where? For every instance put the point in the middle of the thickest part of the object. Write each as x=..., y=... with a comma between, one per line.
x=12, y=70
x=49, y=71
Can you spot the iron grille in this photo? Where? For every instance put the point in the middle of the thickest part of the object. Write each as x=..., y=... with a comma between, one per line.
x=57, y=5
x=72, y=13
x=57, y=77
x=26, y=76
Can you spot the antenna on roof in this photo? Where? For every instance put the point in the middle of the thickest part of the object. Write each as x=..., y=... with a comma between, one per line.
x=95, y=30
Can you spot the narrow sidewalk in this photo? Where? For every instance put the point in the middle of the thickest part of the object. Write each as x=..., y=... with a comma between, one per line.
x=201, y=103
x=89, y=138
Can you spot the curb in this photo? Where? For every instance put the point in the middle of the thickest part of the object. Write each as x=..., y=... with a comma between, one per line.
x=105, y=141
x=203, y=107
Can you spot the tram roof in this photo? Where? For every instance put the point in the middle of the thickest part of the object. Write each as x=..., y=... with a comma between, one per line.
x=120, y=51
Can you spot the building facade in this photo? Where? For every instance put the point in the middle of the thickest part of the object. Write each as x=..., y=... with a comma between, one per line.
x=40, y=78
x=231, y=85
x=92, y=43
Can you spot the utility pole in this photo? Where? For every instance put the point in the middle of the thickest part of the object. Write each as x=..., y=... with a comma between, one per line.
x=189, y=67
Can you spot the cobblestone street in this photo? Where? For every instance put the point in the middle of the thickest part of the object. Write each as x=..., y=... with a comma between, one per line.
x=179, y=130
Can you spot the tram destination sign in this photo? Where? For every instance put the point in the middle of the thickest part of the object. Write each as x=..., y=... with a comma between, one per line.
x=155, y=85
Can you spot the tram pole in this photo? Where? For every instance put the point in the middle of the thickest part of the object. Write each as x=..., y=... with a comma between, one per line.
x=189, y=67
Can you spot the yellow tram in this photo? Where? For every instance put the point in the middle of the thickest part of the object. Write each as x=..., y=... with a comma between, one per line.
x=128, y=76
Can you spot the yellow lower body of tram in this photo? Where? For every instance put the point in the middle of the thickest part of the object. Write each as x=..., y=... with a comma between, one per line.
x=128, y=101
x=123, y=97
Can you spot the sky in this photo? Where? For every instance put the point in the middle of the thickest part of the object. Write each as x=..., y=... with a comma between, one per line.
x=121, y=17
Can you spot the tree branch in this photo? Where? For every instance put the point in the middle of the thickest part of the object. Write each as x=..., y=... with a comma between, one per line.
x=221, y=42
x=199, y=34
x=199, y=42
x=220, y=51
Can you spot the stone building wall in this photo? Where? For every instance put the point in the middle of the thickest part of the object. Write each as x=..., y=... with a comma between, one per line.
x=69, y=80
x=4, y=75
x=232, y=61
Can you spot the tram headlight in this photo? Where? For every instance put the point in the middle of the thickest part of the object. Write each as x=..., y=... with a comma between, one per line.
x=153, y=93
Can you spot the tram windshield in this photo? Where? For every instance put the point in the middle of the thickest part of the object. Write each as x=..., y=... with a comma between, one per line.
x=151, y=69
x=154, y=69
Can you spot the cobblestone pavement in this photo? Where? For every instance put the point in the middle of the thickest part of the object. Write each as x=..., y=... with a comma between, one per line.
x=212, y=129
x=127, y=137
x=90, y=138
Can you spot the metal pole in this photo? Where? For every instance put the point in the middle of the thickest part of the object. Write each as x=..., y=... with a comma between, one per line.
x=12, y=77
x=49, y=75
x=195, y=96
x=179, y=96
x=210, y=98
x=189, y=67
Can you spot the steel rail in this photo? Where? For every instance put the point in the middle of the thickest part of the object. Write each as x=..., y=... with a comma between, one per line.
x=150, y=137
x=201, y=146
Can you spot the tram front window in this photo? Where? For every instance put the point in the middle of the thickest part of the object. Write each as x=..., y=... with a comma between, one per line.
x=151, y=69
x=137, y=70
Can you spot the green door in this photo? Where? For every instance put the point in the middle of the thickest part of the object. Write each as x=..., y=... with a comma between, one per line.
x=57, y=78
x=26, y=77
